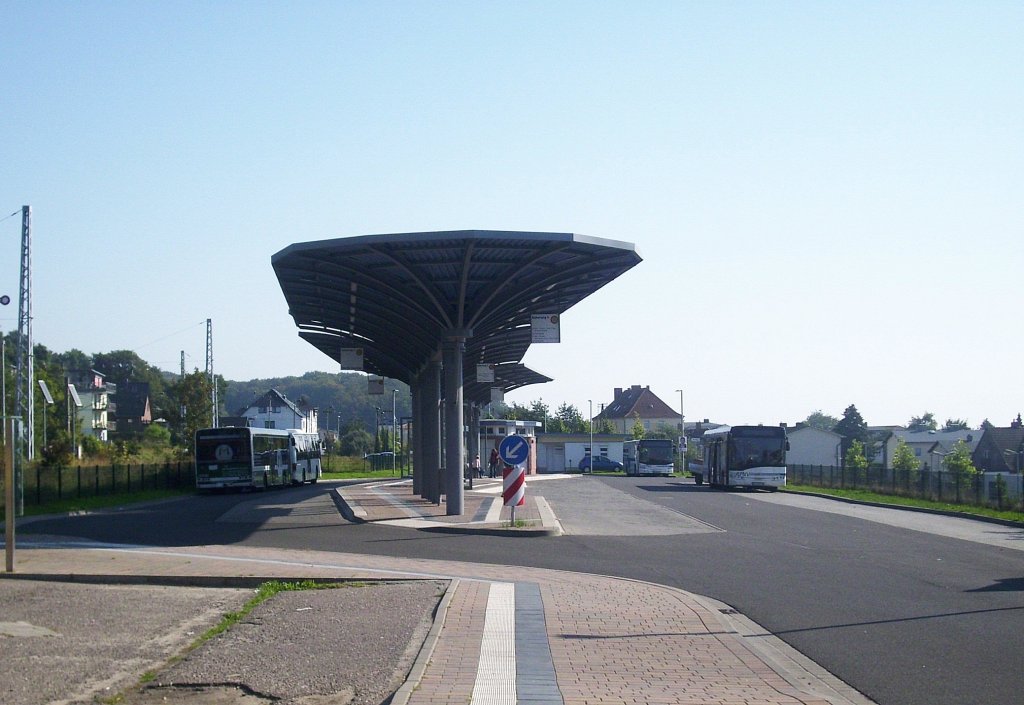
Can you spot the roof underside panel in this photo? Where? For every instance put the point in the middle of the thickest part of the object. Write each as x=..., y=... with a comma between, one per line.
x=399, y=296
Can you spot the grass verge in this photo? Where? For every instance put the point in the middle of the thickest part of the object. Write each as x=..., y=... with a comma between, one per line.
x=896, y=500
x=84, y=504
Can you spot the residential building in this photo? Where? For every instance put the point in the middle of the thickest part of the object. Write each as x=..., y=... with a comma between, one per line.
x=1001, y=449
x=92, y=418
x=274, y=410
x=133, y=411
x=813, y=446
x=930, y=447
x=638, y=402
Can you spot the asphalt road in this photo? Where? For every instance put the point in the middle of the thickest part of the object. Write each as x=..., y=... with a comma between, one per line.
x=904, y=615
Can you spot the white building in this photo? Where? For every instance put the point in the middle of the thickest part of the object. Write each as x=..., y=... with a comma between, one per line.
x=92, y=417
x=930, y=447
x=562, y=452
x=814, y=446
x=275, y=410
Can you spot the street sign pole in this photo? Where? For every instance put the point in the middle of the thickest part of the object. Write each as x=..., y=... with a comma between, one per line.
x=514, y=450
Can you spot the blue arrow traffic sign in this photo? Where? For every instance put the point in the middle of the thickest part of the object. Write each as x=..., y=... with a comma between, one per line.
x=513, y=450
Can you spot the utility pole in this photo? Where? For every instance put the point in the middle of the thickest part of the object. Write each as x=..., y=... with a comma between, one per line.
x=23, y=406
x=209, y=369
x=182, y=364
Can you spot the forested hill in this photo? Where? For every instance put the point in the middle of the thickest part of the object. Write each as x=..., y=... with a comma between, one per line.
x=334, y=394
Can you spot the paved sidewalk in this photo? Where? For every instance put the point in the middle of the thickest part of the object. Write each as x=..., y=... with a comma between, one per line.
x=500, y=634
x=392, y=502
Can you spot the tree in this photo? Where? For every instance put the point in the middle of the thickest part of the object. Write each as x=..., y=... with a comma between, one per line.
x=855, y=459
x=904, y=460
x=819, y=420
x=851, y=427
x=355, y=442
x=539, y=411
x=556, y=425
x=666, y=431
x=959, y=462
x=571, y=418
x=91, y=446
x=956, y=425
x=156, y=436
x=605, y=425
x=191, y=407
x=637, y=430
x=925, y=422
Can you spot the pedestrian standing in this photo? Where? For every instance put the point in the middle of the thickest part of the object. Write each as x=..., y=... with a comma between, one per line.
x=492, y=464
x=476, y=466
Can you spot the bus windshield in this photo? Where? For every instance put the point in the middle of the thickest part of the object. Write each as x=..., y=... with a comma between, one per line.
x=222, y=449
x=745, y=453
x=656, y=453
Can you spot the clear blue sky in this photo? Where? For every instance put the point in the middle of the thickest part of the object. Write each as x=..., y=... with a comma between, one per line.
x=828, y=197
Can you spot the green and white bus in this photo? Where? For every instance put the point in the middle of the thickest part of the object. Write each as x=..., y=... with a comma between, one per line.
x=246, y=458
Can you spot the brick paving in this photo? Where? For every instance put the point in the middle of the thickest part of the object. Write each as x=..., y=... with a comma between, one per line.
x=612, y=641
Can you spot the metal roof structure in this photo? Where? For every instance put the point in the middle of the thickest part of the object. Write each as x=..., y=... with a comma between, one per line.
x=507, y=376
x=399, y=296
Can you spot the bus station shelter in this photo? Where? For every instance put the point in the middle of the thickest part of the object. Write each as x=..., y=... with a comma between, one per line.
x=427, y=308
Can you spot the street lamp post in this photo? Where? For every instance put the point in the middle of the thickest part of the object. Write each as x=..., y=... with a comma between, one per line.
x=394, y=432
x=682, y=433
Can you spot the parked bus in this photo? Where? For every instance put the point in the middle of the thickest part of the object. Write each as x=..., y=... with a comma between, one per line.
x=745, y=456
x=648, y=456
x=237, y=457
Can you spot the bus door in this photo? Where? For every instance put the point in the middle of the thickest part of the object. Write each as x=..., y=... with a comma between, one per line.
x=282, y=466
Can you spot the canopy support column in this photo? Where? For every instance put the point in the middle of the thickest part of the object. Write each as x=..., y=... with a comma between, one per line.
x=416, y=440
x=430, y=401
x=455, y=455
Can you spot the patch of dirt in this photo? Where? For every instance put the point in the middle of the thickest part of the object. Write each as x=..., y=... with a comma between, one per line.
x=224, y=694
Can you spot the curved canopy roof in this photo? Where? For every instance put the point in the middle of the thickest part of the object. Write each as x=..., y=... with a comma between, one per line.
x=399, y=297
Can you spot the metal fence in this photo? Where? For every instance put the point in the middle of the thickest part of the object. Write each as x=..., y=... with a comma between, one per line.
x=997, y=490
x=42, y=485
x=385, y=461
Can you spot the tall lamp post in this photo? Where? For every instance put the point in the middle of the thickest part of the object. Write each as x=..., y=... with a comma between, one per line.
x=682, y=432
x=394, y=432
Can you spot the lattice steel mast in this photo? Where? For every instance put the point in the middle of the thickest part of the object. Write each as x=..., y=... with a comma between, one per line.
x=23, y=406
x=209, y=369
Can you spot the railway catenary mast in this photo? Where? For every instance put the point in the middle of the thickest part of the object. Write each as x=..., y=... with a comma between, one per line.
x=209, y=370
x=23, y=406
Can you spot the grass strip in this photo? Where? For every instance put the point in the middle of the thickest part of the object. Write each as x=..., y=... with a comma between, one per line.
x=899, y=501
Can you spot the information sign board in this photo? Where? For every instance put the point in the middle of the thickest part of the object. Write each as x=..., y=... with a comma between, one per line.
x=544, y=328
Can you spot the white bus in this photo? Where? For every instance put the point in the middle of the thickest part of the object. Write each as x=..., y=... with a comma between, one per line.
x=745, y=456
x=649, y=456
x=238, y=457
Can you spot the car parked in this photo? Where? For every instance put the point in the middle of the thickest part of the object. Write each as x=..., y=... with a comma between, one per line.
x=600, y=463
